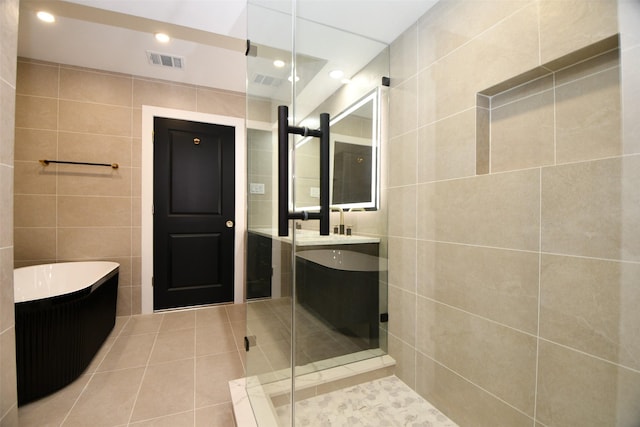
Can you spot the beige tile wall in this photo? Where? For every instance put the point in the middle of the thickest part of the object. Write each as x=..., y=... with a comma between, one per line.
x=8, y=49
x=69, y=213
x=514, y=248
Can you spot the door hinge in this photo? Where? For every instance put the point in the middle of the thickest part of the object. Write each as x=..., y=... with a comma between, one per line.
x=153, y=282
x=153, y=209
x=153, y=137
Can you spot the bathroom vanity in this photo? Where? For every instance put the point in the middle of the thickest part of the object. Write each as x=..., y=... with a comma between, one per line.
x=337, y=277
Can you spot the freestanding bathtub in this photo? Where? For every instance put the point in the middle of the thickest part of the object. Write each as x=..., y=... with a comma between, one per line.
x=64, y=313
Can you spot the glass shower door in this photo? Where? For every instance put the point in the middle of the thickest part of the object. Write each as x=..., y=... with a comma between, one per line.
x=315, y=302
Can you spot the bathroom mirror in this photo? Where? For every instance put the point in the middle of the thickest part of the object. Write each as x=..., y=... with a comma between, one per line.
x=354, y=159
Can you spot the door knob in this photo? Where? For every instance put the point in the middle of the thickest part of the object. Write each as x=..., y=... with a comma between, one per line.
x=229, y=224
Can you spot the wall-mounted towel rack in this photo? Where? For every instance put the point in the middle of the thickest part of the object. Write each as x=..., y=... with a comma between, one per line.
x=46, y=162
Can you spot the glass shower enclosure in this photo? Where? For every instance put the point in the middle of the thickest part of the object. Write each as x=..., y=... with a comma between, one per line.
x=316, y=269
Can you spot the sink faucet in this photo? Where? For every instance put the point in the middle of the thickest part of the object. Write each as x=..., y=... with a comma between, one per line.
x=339, y=209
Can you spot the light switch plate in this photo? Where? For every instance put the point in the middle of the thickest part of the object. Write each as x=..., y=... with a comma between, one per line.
x=256, y=188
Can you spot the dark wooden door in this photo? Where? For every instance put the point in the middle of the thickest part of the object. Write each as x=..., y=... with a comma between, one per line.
x=194, y=213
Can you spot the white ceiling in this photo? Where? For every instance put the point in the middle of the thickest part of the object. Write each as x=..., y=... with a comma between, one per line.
x=211, y=35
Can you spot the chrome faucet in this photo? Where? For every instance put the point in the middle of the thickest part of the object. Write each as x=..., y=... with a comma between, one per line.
x=339, y=209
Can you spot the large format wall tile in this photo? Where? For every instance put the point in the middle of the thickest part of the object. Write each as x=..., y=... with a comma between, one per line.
x=35, y=112
x=93, y=242
x=447, y=148
x=7, y=134
x=35, y=243
x=588, y=117
x=499, y=359
x=35, y=144
x=592, y=209
x=37, y=79
x=163, y=94
x=95, y=87
x=522, y=133
x=402, y=263
x=8, y=391
x=402, y=110
x=402, y=159
x=95, y=148
x=402, y=211
x=405, y=357
x=33, y=178
x=6, y=207
x=94, y=181
x=578, y=390
x=630, y=87
x=94, y=118
x=79, y=211
x=37, y=210
x=7, y=306
x=506, y=50
x=497, y=284
x=592, y=305
x=221, y=102
x=568, y=25
x=402, y=315
x=451, y=24
x=465, y=403
x=403, y=60
x=500, y=210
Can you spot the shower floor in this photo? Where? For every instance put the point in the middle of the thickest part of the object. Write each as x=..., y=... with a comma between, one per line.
x=384, y=402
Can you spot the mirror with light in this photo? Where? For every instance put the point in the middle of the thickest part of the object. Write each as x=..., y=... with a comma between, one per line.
x=354, y=159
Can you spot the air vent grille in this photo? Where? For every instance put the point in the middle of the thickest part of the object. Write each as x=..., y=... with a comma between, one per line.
x=267, y=80
x=165, y=60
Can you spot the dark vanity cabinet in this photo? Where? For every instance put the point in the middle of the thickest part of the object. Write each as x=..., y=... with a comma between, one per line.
x=259, y=270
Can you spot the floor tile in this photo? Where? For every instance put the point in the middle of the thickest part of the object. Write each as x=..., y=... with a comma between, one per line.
x=167, y=389
x=128, y=351
x=53, y=409
x=184, y=419
x=215, y=416
x=178, y=320
x=213, y=340
x=213, y=374
x=173, y=345
x=107, y=400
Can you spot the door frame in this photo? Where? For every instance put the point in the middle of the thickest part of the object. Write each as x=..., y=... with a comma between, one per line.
x=146, y=232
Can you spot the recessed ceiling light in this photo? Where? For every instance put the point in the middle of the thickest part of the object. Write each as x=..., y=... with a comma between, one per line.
x=278, y=63
x=162, y=37
x=46, y=16
x=336, y=74
x=291, y=80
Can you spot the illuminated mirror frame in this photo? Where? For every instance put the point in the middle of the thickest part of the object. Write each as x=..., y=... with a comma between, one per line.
x=372, y=97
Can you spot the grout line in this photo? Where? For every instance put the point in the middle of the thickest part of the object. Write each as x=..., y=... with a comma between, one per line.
x=75, y=402
x=577, y=162
x=593, y=356
x=537, y=371
x=474, y=384
x=482, y=33
x=195, y=364
x=146, y=366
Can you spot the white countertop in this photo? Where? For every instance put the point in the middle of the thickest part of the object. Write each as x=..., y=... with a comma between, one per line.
x=313, y=238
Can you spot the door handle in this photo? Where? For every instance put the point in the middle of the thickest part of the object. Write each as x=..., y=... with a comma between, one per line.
x=284, y=215
x=229, y=224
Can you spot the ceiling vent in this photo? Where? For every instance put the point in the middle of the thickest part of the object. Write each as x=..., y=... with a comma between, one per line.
x=165, y=60
x=267, y=80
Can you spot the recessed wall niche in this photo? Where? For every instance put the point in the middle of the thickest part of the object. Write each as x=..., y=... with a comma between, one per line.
x=564, y=111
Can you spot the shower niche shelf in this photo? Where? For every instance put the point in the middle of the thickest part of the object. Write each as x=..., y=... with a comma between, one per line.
x=529, y=120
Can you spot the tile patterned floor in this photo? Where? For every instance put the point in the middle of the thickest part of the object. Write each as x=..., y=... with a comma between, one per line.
x=166, y=369
x=385, y=402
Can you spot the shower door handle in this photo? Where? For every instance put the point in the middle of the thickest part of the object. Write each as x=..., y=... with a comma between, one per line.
x=284, y=215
